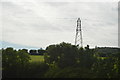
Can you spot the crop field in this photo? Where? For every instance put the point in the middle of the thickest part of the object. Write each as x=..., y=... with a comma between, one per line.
x=36, y=58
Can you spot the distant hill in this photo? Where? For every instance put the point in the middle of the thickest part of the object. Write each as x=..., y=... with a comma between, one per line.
x=16, y=46
x=107, y=50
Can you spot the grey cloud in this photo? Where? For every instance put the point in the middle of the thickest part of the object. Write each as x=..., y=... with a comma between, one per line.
x=58, y=24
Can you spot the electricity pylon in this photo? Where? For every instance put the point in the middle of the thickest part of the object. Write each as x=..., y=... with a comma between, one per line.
x=78, y=36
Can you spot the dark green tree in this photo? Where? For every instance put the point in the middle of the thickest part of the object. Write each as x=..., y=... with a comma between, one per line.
x=87, y=58
x=13, y=62
x=41, y=51
x=63, y=54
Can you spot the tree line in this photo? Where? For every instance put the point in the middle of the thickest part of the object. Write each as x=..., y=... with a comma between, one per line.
x=62, y=60
x=37, y=52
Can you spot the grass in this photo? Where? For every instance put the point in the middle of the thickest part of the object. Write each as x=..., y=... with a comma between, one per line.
x=36, y=58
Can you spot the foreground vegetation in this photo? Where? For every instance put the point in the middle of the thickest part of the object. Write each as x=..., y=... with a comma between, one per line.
x=60, y=61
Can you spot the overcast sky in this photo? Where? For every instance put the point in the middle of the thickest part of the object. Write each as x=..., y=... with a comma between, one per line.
x=39, y=24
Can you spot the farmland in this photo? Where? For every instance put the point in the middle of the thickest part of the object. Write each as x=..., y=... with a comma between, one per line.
x=36, y=58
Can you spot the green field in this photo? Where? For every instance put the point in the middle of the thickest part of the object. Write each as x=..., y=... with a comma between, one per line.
x=36, y=58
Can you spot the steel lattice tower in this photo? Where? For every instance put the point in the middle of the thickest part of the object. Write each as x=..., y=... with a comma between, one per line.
x=78, y=36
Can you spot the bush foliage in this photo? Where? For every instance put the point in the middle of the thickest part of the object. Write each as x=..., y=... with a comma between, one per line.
x=61, y=61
